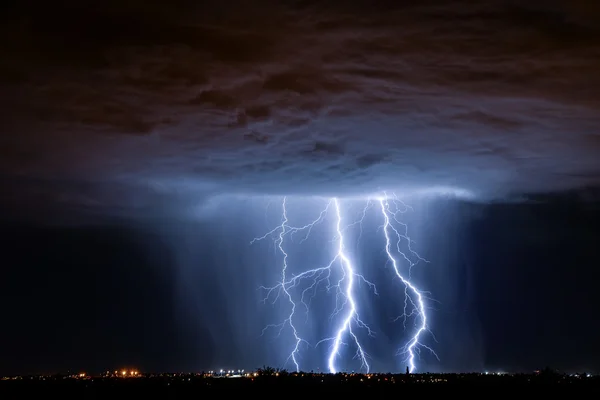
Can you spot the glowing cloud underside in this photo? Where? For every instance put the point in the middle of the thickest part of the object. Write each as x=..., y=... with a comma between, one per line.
x=340, y=277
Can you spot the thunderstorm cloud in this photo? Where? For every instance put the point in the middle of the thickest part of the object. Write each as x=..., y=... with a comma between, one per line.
x=494, y=98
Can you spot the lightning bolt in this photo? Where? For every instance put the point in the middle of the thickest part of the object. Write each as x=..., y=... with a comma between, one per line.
x=413, y=297
x=341, y=277
x=351, y=313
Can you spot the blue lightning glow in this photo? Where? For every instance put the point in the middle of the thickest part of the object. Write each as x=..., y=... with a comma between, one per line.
x=351, y=314
x=289, y=320
x=412, y=295
x=344, y=288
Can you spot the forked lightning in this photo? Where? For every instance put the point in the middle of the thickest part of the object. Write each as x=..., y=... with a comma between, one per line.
x=340, y=277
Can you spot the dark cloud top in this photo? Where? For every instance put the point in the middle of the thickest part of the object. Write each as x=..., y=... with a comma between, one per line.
x=490, y=97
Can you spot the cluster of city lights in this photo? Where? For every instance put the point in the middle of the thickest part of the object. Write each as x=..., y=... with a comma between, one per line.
x=127, y=373
x=229, y=371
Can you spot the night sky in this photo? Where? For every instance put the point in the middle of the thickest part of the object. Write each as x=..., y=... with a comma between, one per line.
x=145, y=144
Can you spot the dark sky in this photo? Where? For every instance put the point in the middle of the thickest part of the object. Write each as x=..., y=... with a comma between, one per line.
x=144, y=145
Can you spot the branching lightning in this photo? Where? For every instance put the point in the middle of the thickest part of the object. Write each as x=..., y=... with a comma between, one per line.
x=413, y=297
x=341, y=277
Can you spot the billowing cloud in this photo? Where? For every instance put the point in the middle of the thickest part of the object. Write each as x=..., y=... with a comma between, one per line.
x=488, y=97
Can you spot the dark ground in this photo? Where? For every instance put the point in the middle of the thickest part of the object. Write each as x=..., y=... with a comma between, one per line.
x=187, y=386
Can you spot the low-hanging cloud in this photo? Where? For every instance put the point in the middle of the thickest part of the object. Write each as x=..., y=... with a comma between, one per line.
x=487, y=97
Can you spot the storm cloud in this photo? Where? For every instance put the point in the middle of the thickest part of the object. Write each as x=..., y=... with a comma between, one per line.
x=490, y=98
